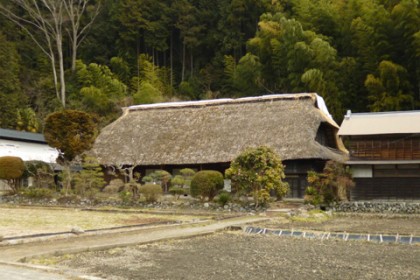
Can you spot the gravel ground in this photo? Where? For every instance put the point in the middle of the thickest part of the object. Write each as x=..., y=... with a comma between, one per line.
x=236, y=255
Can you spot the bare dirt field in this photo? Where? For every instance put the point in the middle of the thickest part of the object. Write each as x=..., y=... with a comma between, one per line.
x=231, y=255
x=352, y=223
x=236, y=255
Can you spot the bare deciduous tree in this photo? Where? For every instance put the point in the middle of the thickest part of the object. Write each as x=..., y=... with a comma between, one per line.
x=75, y=10
x=44, y=21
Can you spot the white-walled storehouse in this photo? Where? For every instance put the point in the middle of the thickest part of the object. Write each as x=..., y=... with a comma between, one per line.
x=28, y=146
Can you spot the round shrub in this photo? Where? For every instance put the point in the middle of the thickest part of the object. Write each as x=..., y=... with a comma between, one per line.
x=258, y=171
x=151, y=192
x=11, y=168
x=206, y=183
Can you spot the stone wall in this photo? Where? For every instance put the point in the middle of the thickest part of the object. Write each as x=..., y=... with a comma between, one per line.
x=379, y=207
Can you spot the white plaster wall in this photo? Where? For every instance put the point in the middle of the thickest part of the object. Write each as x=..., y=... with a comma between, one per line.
x=28, y=151
x=362, y=171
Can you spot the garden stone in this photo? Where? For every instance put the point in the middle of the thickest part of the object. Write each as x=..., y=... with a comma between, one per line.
x=77, y=230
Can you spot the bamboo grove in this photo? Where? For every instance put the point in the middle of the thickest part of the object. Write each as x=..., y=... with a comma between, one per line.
x=99, y=56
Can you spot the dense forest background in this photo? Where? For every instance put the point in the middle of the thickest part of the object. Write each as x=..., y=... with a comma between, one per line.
x=362, y=55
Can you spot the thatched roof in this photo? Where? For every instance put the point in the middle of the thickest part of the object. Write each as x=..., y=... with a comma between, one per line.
x=214, y=131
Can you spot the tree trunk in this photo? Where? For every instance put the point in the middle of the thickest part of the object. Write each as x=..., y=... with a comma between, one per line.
x=74, y=55
x=62, y=78
x=67, y=178
x=171, y=60
x=256, y=196
x=183, y=62
x=192, y=63
x=57, y=90
x=153, y=59
x=75, y=9
x=138, y=62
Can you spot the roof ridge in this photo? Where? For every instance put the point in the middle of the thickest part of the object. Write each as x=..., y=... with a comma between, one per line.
x=221, y=101
x=23, y=135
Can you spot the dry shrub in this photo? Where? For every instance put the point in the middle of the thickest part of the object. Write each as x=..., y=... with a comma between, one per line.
x=114, y=186
x=151, y=192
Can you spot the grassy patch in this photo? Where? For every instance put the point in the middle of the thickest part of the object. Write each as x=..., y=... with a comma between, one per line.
x=52, y=261
x=28, y=220
x=313, y=216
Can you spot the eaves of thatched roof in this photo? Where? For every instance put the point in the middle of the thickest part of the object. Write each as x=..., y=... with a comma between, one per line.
x=214, y=131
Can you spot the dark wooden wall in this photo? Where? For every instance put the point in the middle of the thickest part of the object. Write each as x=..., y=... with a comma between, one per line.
x=385, y=147
x=386, y=189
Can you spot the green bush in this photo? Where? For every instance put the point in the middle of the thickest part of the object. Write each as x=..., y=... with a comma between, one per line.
x=223, y=198
x=125, y=196
x=162, y=177
x=258, y=171
x=333, y=184
x=133, y=187
x=37, y=193
x=177, y=191
x=147, y=179
x=90, y=179
x=206, y=183
x=151, y=192
x=187, y=174
x=177, y=181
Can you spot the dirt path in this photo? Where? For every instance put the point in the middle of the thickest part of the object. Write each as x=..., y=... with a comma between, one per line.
x=11, y=272
x=106, y=241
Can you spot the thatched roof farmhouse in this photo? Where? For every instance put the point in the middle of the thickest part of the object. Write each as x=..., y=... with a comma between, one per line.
x=210, y=132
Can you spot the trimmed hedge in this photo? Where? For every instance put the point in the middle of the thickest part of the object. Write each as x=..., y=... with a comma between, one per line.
x=11, y=168
x=206, y=183
x=151, y=192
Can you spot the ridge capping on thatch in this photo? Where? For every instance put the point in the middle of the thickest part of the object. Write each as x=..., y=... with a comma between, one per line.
x=221, y=101
x=320, y=103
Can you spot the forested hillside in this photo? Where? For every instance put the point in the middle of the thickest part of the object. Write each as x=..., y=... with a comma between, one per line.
x=362, y=55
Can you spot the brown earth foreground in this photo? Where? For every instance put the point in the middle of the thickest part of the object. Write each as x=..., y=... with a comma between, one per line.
x=236, y=255
x=116, y=254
